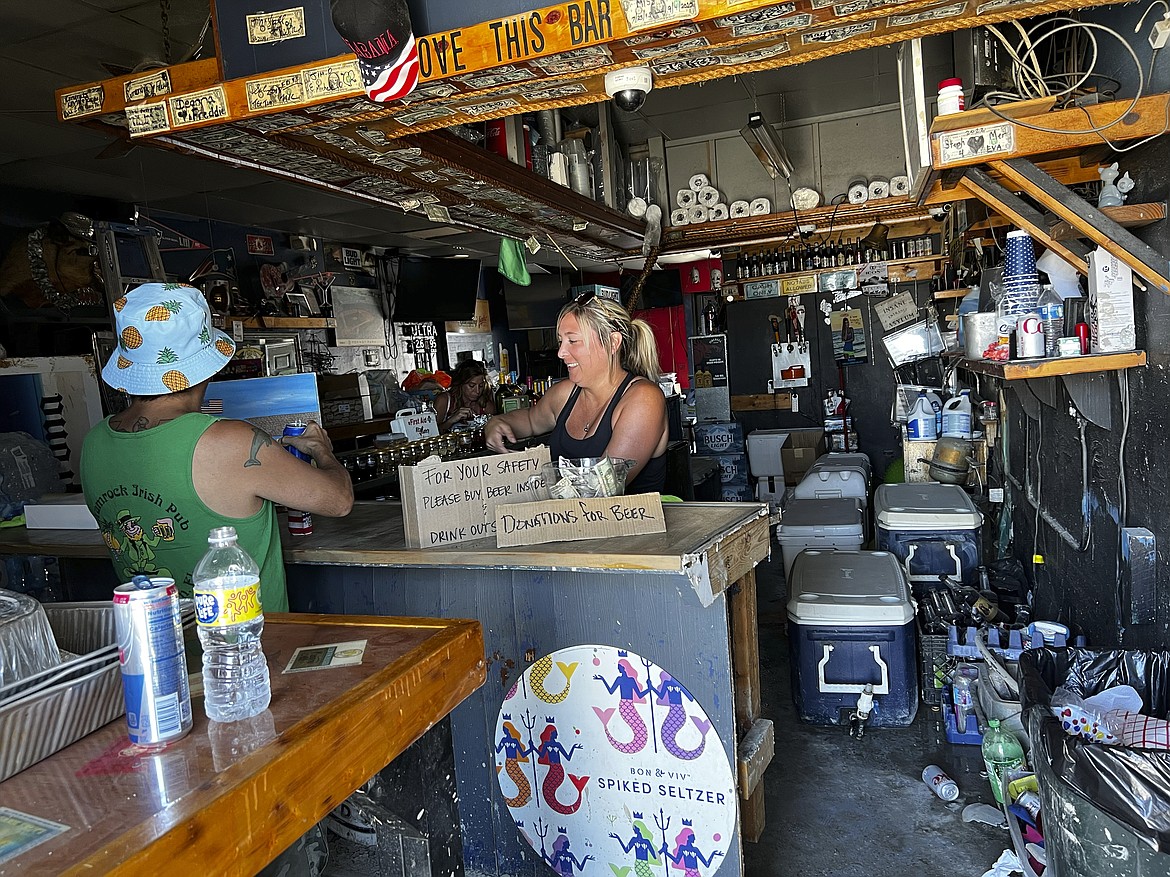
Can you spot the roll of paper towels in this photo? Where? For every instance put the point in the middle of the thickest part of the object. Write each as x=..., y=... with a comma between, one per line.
x=718, y=212
x=900, y=185
x=739, y=209
x=697, y=214
x=698, y=181
x=858, y=192
x=678, y=217
x=879, y=188
x=685, y=198
x=760, y=207
x=708, y=195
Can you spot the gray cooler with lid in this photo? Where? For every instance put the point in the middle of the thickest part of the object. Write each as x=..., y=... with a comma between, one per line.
x=837, y=476
x=934, y=529
x=819, y=523
x=851, y=623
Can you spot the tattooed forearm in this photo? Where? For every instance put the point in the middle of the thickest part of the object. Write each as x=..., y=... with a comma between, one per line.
x=259, y=439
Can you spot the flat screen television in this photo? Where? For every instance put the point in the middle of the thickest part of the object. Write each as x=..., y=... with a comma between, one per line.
x=536, y=306
x=435, y=290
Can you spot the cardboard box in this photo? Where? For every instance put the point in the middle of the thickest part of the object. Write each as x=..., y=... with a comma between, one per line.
x=800, y=452
x=568, y=520
x=736, y=493
x=450, y=503
x=719, y=437
x=733, y=468
x=1111, y=313
x=59, y=511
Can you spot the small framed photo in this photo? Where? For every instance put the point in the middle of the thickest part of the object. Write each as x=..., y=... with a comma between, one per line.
x=302, y=304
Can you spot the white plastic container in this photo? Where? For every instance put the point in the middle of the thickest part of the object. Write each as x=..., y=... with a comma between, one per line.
x=956, y=416
x=851, y=623
x=836, y=476
x=950, y=97
x=763, y=450
x=932, y=528
x=819, y=524
x=922, y=422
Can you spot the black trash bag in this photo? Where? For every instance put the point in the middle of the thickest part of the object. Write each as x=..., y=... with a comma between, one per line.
x=1131, y=785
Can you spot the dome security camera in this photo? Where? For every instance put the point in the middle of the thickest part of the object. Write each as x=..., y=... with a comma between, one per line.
x=629, y=87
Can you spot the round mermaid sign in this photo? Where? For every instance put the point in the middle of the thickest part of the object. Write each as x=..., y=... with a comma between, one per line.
x=609, y=765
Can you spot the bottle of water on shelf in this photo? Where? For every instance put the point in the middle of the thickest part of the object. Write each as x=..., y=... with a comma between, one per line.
x=1051, y=308
x=227, y=607
x=1002, y=754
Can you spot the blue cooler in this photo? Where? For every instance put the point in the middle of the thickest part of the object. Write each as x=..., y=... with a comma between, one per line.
x=851, y=622
x=932, y=528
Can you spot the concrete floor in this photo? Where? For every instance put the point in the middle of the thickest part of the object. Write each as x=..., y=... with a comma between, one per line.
x=837, y=807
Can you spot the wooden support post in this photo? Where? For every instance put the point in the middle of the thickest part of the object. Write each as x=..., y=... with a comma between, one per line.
x=745, y=662
x=999, y=199
x=1094, y=225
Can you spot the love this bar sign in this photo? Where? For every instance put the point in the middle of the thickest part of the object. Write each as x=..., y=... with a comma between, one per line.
x=568, y=520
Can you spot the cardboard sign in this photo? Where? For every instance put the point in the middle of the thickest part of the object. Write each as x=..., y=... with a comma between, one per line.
x=449, y=503
x=568, y=520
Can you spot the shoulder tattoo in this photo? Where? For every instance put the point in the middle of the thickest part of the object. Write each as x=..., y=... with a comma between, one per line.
x=259, y=439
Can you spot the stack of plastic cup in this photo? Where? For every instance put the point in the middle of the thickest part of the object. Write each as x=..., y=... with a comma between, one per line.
x=1021, y=284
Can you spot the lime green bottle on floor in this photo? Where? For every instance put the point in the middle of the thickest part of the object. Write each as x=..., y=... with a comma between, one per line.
x=1001, y=753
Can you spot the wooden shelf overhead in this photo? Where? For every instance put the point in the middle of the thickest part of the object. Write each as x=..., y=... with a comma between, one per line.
x=1046, y=368
x=311, y=124
x=1127, y=216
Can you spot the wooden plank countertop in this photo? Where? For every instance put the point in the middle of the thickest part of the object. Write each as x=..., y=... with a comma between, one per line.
x=712, y=544
x=208, y=802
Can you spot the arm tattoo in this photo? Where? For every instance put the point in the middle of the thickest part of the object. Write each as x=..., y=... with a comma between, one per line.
x=259, y=439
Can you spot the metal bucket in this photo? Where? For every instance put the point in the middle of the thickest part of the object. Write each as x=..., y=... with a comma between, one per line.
x=952, y=460
x=980, y=331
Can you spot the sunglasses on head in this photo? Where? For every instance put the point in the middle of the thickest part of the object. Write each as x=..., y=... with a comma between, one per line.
x=584, y=298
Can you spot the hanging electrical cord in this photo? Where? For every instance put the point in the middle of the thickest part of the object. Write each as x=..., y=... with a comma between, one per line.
x=1033, y=84
x=1122, y=494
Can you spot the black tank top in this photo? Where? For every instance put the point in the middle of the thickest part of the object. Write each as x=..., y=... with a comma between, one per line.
x=561, y=444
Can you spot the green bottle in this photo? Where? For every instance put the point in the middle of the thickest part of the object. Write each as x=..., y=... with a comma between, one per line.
x=1002, y=753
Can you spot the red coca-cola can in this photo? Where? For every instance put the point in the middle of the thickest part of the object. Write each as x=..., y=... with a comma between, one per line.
x=300, y=523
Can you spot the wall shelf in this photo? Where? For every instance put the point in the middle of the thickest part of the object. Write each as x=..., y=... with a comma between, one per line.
x=283, y=322
x=899, y=271
x=943, y=294
x=1045, y=368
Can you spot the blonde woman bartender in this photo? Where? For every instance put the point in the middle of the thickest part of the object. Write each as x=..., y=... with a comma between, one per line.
x=610, y=405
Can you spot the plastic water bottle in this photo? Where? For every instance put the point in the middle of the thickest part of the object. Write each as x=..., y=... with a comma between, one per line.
x=227, y=607
x=1002, y=753
x=1051, y=309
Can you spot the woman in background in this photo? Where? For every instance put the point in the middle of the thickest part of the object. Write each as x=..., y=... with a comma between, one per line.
x=468, y=396
x=610, y=405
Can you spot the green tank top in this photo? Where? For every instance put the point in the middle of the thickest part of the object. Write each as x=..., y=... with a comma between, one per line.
x=138, y=485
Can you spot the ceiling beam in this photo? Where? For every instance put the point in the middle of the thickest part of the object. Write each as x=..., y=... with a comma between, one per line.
x=1092, y=224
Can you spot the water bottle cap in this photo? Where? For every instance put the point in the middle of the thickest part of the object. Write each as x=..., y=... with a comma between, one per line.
x=221, y=535
x=993, y=723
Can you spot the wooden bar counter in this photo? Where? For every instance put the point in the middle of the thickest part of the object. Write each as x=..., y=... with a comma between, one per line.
x=684, y=599
x=198, y=807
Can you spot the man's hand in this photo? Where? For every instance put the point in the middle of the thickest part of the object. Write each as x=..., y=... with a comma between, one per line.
x=314, y=441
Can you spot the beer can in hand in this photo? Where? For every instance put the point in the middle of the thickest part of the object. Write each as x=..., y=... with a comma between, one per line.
x=300, y=523
x=297, y=427
x=154, y=666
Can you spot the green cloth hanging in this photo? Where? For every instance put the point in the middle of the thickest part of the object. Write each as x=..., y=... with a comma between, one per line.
x=512, y=262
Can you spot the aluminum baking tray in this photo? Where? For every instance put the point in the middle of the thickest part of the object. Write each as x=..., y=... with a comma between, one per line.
x=72, y=700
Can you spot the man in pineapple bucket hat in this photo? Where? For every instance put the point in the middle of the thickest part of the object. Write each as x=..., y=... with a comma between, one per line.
x=178, y=473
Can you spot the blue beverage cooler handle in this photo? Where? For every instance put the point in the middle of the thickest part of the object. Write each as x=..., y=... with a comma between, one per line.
x=852, y=687
x=933, y=575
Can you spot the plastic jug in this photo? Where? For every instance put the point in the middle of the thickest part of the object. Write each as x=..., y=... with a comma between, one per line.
x=921, y=423
x=956, y=416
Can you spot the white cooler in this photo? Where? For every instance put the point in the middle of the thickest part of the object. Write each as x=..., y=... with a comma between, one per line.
x=851, y=623
x=837, y=476
x=821, y=524
x=932, y=528
x=763, y=450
